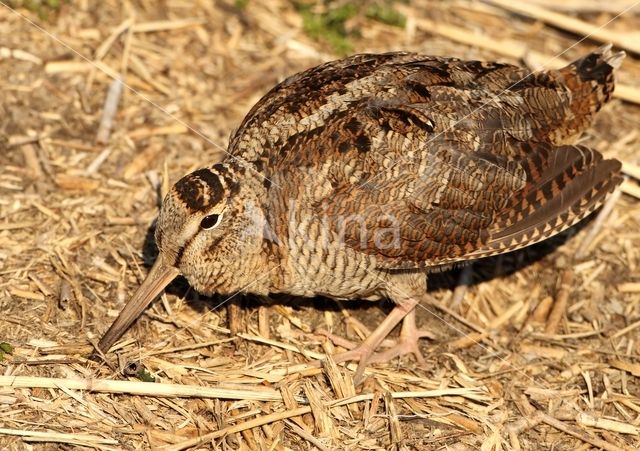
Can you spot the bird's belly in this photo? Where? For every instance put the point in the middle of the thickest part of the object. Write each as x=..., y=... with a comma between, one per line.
x=320, y=267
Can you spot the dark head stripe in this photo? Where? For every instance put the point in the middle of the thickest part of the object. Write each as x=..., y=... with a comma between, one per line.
x=228, y=177
x=199, y=190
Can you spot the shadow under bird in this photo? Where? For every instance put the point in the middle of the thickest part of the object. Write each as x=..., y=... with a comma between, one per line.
x=356, y=178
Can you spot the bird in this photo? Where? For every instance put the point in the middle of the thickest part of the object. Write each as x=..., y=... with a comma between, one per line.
x=359, y=177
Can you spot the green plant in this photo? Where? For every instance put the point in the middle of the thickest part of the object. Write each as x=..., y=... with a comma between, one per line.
x=327, y=20
x=241, y=4
x=386, y=13
x=41, y=7
x=328, y=23
x=5, y=348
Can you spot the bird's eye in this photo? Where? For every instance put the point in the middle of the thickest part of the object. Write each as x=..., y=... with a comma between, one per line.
x=210, y=221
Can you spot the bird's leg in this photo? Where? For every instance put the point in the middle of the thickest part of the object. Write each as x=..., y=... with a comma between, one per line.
x=408, y=342
x=348, y=344
x=365, y=350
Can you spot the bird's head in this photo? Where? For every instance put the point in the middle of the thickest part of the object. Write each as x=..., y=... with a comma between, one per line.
x=197, y=213
x=205, y=222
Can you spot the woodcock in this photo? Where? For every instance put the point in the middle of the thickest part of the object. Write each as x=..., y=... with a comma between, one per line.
x=356, y=178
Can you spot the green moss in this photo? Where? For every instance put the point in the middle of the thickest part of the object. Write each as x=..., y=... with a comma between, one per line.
x=145, y=376
x=385, y=13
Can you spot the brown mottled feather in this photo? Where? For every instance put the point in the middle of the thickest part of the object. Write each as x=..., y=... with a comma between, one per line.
x=465, y=156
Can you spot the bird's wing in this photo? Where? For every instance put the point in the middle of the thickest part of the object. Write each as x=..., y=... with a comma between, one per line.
x=463, y=205
x=423, y=161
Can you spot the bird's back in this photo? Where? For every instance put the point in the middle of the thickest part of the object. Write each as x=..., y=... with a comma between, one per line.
x=499, y=98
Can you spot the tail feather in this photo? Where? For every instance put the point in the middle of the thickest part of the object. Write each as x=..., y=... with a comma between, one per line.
x=598, y=65
x=590, y=80
x=565, y=183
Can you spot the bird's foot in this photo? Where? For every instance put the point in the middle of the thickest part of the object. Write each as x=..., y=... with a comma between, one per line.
x=408, y=343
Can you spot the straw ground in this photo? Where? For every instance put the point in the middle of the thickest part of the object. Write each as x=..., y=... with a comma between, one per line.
x=534, y=350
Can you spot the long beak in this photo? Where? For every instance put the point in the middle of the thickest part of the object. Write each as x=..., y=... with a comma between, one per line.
x=158, y=278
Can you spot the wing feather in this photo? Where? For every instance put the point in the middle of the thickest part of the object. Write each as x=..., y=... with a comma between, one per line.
x=438, y=160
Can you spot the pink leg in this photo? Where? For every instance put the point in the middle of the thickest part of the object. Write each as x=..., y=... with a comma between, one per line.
x=348, y=344
x=366, y=349
x=408, y=342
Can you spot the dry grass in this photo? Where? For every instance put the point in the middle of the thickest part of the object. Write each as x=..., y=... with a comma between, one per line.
x=534, y=350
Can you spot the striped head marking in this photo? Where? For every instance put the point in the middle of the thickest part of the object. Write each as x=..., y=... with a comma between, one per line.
x=194, y=206
x=205, y=188
x=199, y=190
